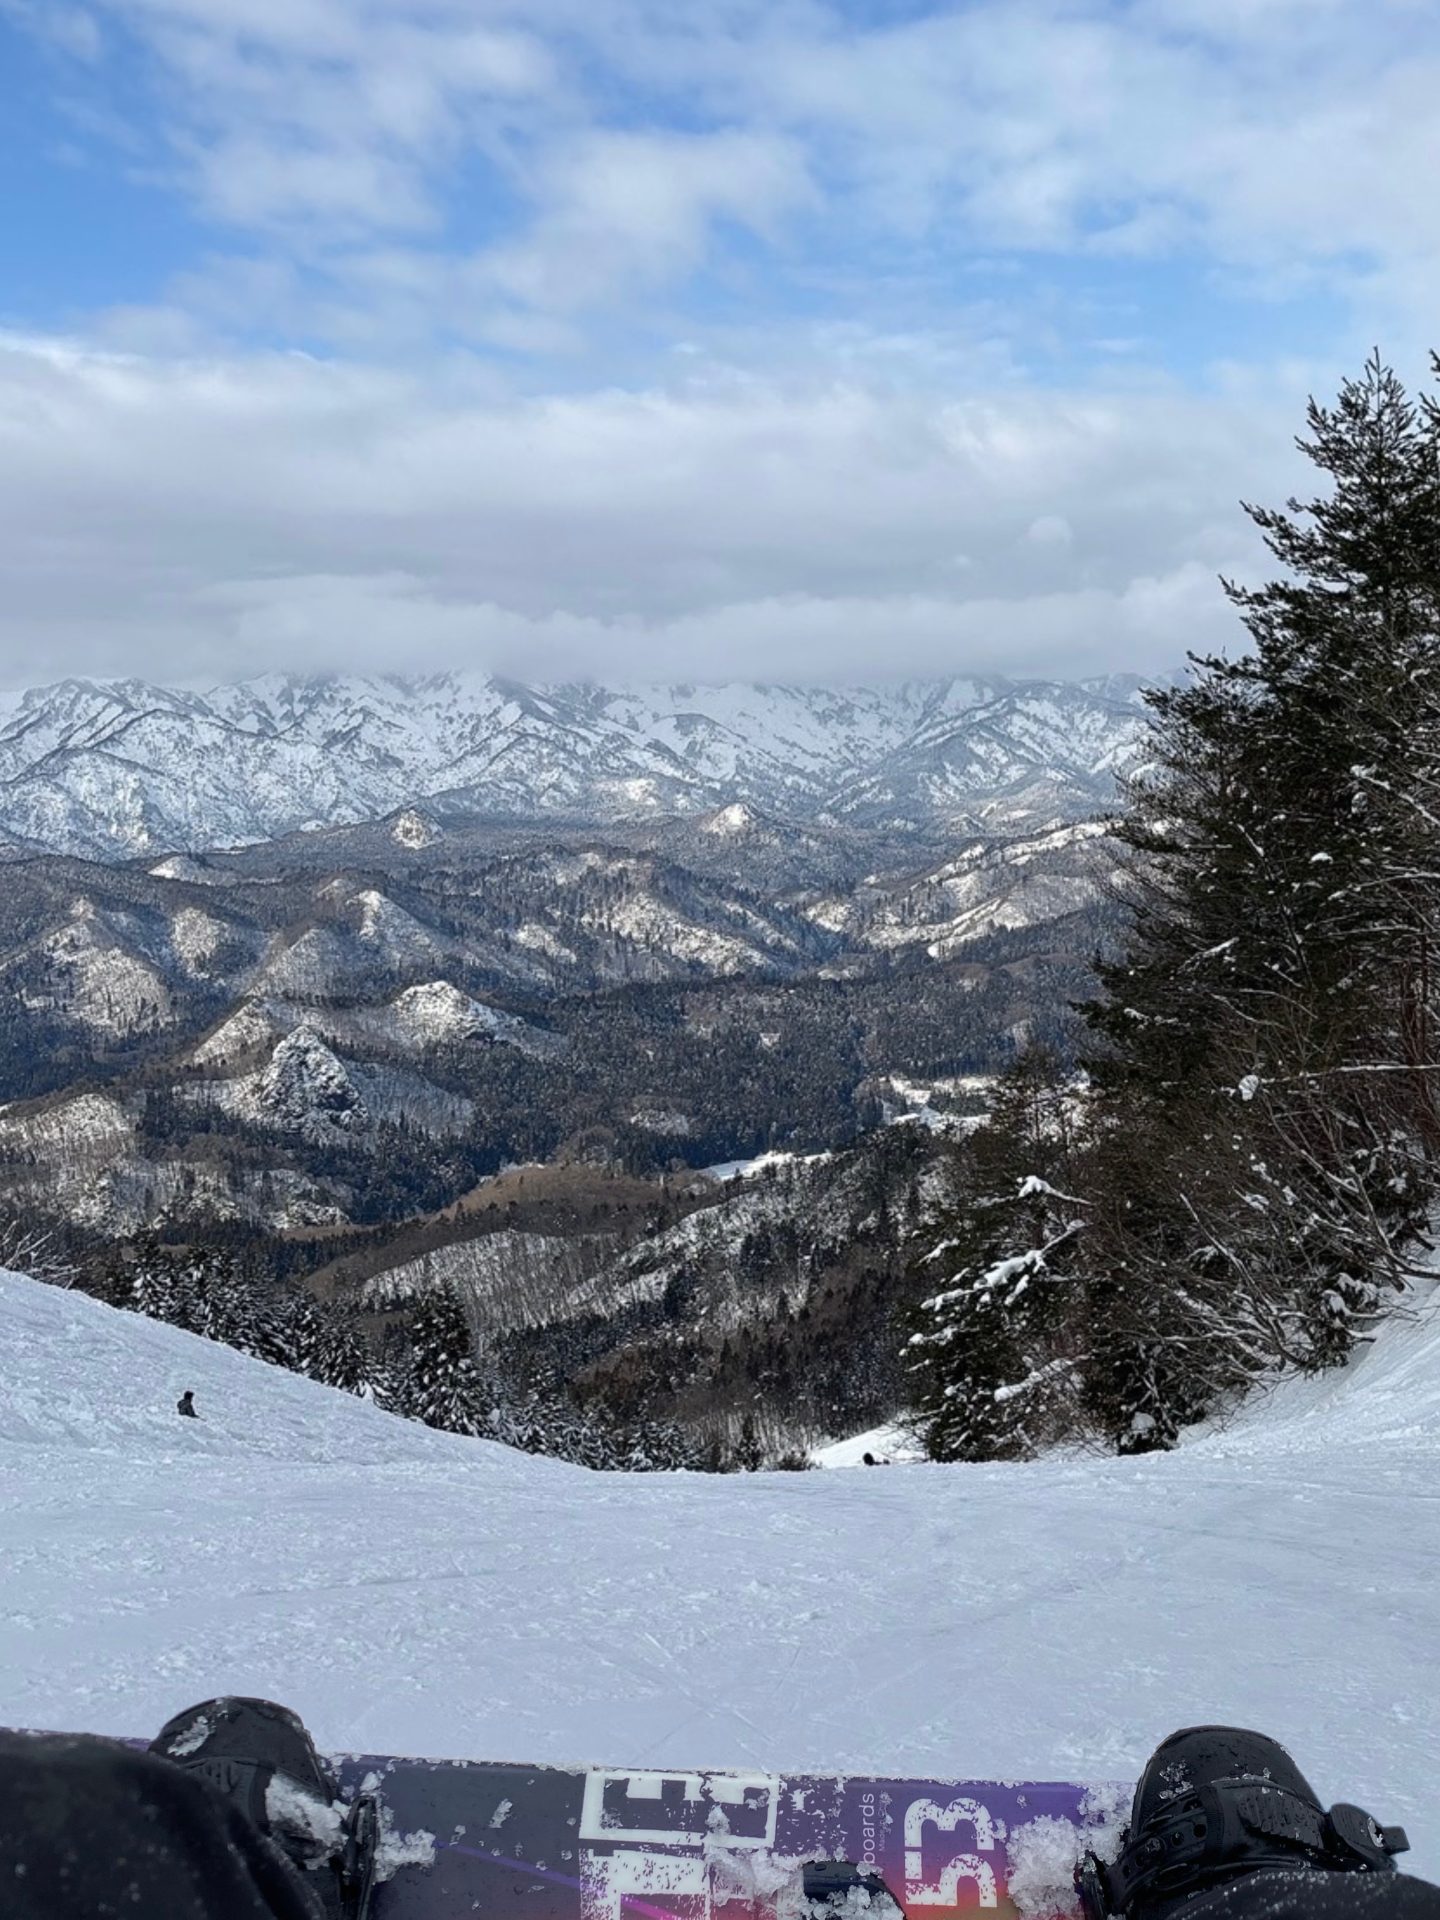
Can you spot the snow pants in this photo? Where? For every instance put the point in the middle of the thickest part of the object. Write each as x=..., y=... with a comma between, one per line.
x=92, y=1830
x=1285, y=1894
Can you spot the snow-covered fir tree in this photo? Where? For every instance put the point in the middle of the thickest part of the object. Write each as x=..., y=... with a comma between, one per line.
x=994, y=1357
x=442, y=1384
x=209, y=1294
x=1260, y=1137
x=1264, y=1122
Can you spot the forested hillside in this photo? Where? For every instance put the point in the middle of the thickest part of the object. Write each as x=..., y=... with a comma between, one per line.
x=254, y=1058
x=1239, y=1179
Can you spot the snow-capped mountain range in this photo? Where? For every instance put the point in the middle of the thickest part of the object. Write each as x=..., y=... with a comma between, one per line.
x=116, y=770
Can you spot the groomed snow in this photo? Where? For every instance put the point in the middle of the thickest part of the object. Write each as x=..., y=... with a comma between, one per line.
x=416, y=1592
x=888, y=1446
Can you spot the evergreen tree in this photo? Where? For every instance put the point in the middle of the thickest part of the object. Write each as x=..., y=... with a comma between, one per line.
x=1261, y=1130
x=323, y=1346
x=994, y=1357
x=443, y=1385
x=207, y=1293
x=1264, y=1121
x=659, y=1446
x=749, y=1450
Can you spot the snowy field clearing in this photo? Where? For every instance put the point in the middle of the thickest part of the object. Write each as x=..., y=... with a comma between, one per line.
x=415, y=1592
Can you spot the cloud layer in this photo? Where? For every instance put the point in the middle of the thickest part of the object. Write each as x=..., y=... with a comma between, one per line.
x=238, y=516
x=750, y=336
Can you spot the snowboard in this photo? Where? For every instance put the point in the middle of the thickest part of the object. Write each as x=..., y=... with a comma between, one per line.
x=546, y=1843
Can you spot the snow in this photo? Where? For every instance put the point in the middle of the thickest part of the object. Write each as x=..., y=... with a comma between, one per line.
x=97, y=980
x=889, y=1445
x=402, y=938
x=179, y=867
x=250, y=1027
x=306, y=1086
x=1044, y=1852
x=197, y=937
x=414, y=1592
x=244, y=763
x=182, y=1745
x=432, y=1014
x=729, y=821
x=296, y=1812
x=761, y=1163
x=542, y=940
x=650, y=922
x=438, y=1011
x=663, y=1120
x=991, y=885
x=414, y=830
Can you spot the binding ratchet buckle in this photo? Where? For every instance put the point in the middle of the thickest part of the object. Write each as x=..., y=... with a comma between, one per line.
x=1243, y=1823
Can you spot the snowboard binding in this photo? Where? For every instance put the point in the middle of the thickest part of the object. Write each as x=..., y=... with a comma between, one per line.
x=260, y=1756
x=1216, y=1801
x=827, y=1887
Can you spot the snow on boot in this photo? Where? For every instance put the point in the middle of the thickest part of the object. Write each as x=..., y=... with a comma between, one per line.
x=1215, y=1802
x=259, y=1755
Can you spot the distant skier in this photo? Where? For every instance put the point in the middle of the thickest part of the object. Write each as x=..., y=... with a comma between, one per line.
x=186, y=1404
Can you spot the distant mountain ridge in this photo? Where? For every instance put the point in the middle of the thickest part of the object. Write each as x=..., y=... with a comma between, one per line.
x=118, y=770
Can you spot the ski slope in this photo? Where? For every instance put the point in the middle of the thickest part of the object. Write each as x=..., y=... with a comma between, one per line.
x=420, y=1593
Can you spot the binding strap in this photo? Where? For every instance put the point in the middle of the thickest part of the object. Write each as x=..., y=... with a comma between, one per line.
x=1242, y=1823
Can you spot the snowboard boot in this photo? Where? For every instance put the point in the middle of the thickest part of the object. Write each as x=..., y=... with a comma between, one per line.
x=260, y=1756
x=1216, y=1802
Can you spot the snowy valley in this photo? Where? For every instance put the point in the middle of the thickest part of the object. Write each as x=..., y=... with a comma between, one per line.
x=286, y=1046
x=497, y=1041
x=394, y=990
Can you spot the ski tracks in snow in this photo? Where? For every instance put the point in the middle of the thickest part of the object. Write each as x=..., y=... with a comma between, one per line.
x=413, y=1592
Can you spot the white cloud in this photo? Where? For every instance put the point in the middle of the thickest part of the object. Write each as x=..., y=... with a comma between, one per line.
x=189, y=519
x=333, y=110
x=1275, y=137
x=802, y=637
x=1278, y=134
x=1050, y=530
x=71, y=30
x=623, y=210
x=706, y=480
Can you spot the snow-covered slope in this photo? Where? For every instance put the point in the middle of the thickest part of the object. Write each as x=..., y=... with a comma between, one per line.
x=116, y=769
x=990, y=886
x=417, y=1592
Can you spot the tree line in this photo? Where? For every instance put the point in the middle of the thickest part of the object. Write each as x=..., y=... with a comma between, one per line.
x=1240, y=1178
x=429, y=1373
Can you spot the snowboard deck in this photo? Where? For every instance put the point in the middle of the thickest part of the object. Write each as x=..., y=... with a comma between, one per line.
x=546, y=1843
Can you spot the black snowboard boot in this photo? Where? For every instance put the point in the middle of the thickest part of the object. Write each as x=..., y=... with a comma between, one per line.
x=259, y=1755
x=1215, y=1803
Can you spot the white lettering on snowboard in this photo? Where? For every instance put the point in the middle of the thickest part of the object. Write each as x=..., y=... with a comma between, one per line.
x=945, y=1891
x=607, y=1880
x=673, y=1809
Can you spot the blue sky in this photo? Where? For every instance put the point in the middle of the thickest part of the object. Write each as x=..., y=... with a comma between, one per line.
x=704, y=336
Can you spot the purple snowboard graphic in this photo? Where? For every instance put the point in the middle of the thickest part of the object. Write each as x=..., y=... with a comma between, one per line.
x=542, y=1843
